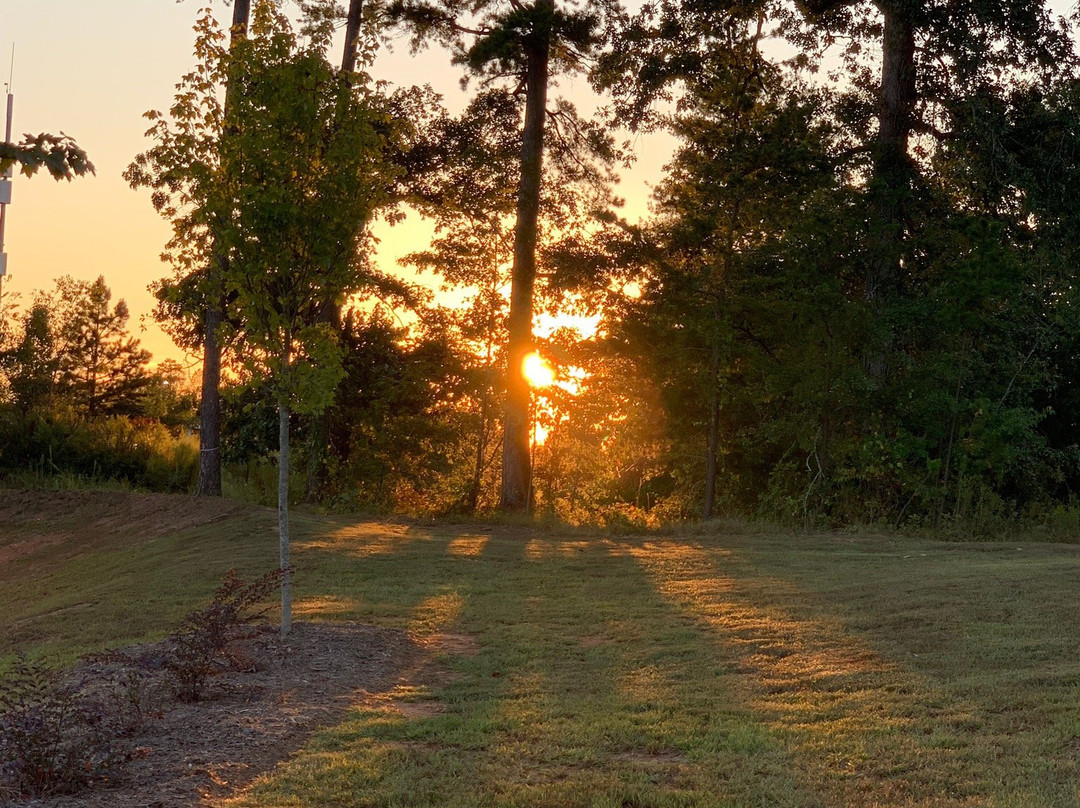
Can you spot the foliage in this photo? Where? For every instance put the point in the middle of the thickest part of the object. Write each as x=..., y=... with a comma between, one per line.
x=56, y=736
x=75, y=348
x=847, y=290
x=31, y=365
x=516, y=49
x=190, y=186
x=399, y=427
x=55, y=440
x=62, y=730
x=101, y=369
x=57, y=154
x=854, y=300
x=171, y=398
x=212, y=636
x=82, y=401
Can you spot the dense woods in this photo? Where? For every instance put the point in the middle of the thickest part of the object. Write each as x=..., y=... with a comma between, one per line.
x=855, y=298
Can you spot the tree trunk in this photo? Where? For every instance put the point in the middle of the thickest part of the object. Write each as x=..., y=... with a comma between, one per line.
x=210, y=397
x=283, y=515
x=352, y=36
x=714, y=434
x=210, y=408
x=240, y=15
x=330, y=311
x=892, y=167
x=472, y=499
x=517, y=468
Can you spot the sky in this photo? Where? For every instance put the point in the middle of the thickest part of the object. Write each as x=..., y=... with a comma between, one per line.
x=90, y=70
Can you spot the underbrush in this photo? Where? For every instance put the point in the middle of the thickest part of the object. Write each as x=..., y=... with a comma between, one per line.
x=62, y=730
x=60, y=446
x=58, y=734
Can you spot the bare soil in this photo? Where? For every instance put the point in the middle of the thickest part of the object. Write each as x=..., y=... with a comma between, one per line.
x=197, y=754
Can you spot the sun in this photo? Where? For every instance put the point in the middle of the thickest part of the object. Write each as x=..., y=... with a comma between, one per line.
x=537, y=371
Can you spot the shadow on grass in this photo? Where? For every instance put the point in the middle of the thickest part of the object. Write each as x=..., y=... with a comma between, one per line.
x=583, y=691
x=675, y=672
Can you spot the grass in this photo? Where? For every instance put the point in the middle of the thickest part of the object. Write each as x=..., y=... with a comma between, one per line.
x=706, y=669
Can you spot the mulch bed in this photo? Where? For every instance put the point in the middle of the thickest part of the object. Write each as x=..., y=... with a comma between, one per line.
x=194, y=754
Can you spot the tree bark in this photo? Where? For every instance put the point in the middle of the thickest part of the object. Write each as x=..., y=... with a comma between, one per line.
x=210, y=396
x=713, y=443
x=283, y=515
x=892, y=165
x=210, y=407
x=352, y=36
x=517, y=466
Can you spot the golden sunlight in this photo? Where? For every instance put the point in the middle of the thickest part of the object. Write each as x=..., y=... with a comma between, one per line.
x=537, y=371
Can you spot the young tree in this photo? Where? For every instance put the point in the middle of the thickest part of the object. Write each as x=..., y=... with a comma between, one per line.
x=309, y=174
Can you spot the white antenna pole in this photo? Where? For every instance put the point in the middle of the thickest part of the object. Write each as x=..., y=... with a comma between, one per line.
x=5, y=179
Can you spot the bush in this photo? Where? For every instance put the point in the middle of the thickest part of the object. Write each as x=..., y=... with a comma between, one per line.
x=209, y=638
x=62, y=731
x=56, y=736
x=143, y=454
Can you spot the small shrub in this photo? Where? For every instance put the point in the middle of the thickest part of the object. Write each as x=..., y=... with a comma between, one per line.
x=131, y=682
x=56, y=736
x=208, y=640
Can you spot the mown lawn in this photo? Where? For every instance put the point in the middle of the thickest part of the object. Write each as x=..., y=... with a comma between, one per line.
x=725, y=668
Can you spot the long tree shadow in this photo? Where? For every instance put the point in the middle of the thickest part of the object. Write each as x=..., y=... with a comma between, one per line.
x=625, y=673
x=584, y=689
x=868, y=726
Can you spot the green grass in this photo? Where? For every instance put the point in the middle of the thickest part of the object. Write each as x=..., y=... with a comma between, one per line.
x=714, y=669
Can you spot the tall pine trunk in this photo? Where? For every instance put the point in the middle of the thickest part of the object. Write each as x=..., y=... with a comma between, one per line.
x=892, y=168
x=713, y=441
x=210, y=396
x=330, y=311
x=517, y=466
x=352, y=36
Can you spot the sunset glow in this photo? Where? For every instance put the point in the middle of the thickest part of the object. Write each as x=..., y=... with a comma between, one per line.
x=537, y=371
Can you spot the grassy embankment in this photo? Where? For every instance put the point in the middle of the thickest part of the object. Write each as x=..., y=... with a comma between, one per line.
x=723, y=669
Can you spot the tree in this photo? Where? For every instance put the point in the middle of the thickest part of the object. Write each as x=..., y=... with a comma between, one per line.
x=936, y=59
x=210, y=394
x=309, y=175
x=31, y=365
x=523, y=43
x=472, y=203
x=330, y=312
x=894, y=265
x=101, y=369
x=191, y=186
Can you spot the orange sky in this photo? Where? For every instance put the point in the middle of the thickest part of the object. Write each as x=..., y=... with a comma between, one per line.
x=91, y=69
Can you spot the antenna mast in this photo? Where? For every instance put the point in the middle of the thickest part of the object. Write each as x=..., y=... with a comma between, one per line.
x=5, y=179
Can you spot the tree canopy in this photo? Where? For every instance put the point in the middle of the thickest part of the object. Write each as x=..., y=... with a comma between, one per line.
x=853, y=299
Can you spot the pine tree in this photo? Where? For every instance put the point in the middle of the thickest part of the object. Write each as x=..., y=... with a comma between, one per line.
x=521, y=45
x=101, y=369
